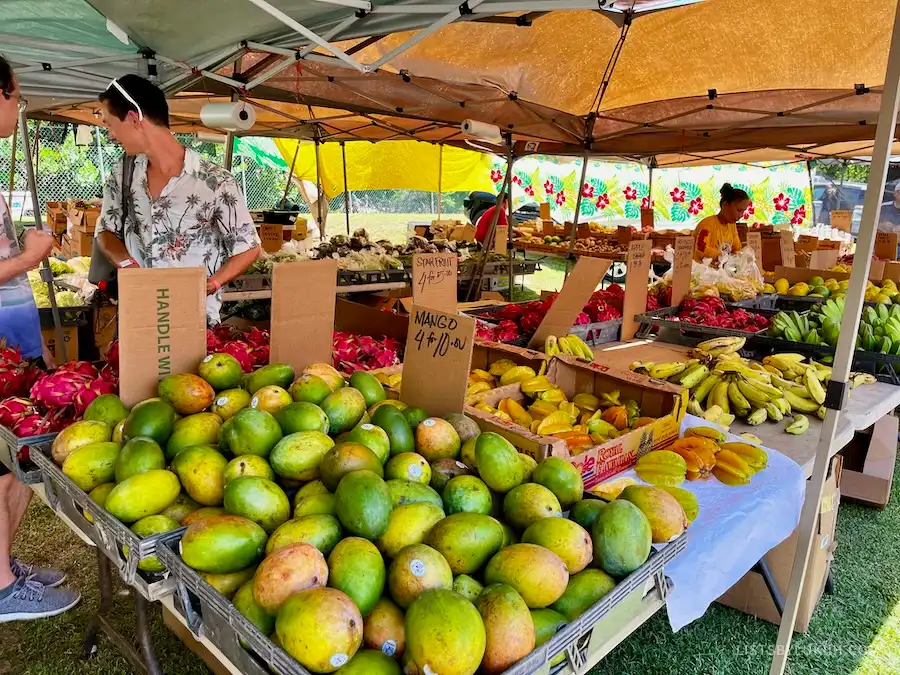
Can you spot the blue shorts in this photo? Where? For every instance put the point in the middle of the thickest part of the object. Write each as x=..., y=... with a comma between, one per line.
x=21, y=327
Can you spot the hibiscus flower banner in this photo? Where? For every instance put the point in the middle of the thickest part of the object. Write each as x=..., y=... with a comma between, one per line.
x=614, y=193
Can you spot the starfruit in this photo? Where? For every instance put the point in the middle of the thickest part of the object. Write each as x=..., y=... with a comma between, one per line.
x=517, y=374
x=601, y=428
x=611, y=490
x=570, y=409
x=587, y=402
x=395, y=380
x=535, y=385
x=755, y=457
x=477, y=388
x=731, y=469
x=716, y=435
x=486, y=408
x=554, y=423
x=617, y=416
x=384, y=378
x=499, y=367
x=661, y=467
x=609, y=399
x=533, y=427
x=519, y=415
x=708, y=446
x=555, y=395
x=540, y=409
x=642, y=422
x=482, y=375
x=700, y=460
x=503, y=416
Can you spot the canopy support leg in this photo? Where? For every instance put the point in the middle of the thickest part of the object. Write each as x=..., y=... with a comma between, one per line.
x=440, y=179
x=290, y=177
x=346, y=187
x=812, y=197
x=838, y=388
x=319, y=214
x=509, y=230
x=46, y=273
x=580, y=187
x=488, y=243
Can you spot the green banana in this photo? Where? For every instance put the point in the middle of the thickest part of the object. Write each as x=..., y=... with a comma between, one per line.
x=719, y=397
x=758, y=416
x=773, y=411
x=756, y=397
x=701, y=391
x=740, y=406
x=798, y=425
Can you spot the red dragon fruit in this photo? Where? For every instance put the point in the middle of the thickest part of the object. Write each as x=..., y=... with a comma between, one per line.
x=58, y=389
x=241, y=351
x=256, y=337
x=93, y=389
x=485, y=331
x=33, y=425
x=260, y=355
x=16, y=375
x=507, y=331
x=14, y=409
x=582, y=319
x=60, y=418
x=531, y=321
x=112, y=355
x=85, y=368
x=10, y=354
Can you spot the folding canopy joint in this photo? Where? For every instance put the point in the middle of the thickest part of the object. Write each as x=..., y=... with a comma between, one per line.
x=860, y=89
x=836, y=395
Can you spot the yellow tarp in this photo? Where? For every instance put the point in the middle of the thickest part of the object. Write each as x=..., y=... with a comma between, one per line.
x=391, y=165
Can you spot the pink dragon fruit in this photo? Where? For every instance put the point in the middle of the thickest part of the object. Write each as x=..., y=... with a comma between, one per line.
x=14, y=409
x=530, y=322
x=108, y=373
x=93, y=389
x=240, y=351
x=32, y=425
x=582, y=319
x=260, y=355
x=84, y=368
x=9, y=355
x=60, y=418
x=486, y=332
x=112, y=355
x=256, y=337
x=383, y=358
x=58, y=389
x=14, y=379
x=507, y=331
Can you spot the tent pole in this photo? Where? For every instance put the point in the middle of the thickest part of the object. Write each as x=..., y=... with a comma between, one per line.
x=346, y=187
x=229, y=140
x=509, y=230
x=319, y=192
x=571, y=256
x=440, y=178
x=837, y=388
x=100, y=155
x=488, y=243
x=12, y=166
x=812, y=197
x=287, y=185
x=46, y=273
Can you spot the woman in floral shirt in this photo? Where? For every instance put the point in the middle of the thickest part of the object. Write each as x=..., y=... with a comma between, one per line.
x=180, y=210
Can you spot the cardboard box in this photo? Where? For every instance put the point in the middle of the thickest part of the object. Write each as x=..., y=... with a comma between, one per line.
x=869, y=463
x=751, y=596
x=106, y=326
x=659, y=399
x=83, y=215
x=70, y=337
x=56, y=216
x=78, y=242
x=353, y=317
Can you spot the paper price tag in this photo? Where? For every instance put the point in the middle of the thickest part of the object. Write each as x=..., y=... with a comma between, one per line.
x=624, y=234
x=681, y=268
x=806, y=242
x=162, y=327
x=886, y=245
x=754, y=241
x=841, y=220
x=270, y=237
x=829, y=245
x=788, y=257
x=303, y=298
x=437, y=343
x=635, y=301
x=434, y=280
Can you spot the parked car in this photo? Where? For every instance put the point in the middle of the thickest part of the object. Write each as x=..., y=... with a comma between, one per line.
x=478, y=202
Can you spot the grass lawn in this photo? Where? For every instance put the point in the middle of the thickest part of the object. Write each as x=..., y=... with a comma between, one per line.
x=854, y=631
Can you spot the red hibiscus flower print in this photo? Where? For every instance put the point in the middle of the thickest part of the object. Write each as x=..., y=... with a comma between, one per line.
x=603, y=201
x=496, y=175
x=696, y=206
x=749, y=211
x=782, y=202
x=529, y=191
x=677, y=195
x=799, y=215
x=646, y=203
x=560, y=198
x=548, y=187
x=587, y=191
x=630, y=192
x=516, y=180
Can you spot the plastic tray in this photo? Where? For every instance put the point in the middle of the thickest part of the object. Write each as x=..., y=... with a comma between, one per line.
x=110, y=535
x=597, y=333
x=209, y=614
x=11, y=446
x=362, y=277
x=661, y=318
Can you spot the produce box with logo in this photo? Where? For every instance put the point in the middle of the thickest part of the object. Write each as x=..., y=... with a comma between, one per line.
x=661, y=404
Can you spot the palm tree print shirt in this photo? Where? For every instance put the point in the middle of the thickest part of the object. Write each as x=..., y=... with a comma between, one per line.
x=199, y=220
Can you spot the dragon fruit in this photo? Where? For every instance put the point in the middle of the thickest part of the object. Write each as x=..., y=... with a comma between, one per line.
x=14, y=409
x=84, y=368
x=112, y=355
x=364, y=352
x=582, y=319
x=14, y=379
x=241, y=351
x=93, y=389
x=507, y=331
x=58, y=389
x=60, y=418
x=9, y=355
x=32, y=425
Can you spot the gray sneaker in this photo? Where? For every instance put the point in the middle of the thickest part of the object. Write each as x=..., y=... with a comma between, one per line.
x=42, y=575
x=30, y=600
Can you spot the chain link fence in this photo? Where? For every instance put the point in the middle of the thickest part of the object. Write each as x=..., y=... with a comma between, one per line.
x=74, y=166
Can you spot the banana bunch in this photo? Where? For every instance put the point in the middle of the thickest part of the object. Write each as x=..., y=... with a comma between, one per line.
x=784, y=387
x=568, y=344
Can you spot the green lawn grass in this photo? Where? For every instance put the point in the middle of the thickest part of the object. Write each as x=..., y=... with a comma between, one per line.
x=854, y=631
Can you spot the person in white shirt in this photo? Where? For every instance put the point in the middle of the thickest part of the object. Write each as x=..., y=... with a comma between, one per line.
x=178, y=209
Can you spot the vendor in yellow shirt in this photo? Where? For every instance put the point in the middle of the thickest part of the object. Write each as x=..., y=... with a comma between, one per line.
x=715, y=231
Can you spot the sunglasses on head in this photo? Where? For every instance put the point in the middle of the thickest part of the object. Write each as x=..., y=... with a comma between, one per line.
x=127, y=96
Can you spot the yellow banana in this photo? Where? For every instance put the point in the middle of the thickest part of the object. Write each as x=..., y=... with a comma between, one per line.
x=773, y=411
x=798, y=426
x=820, y=413
x=783, y=405
x=694, y=408
x=793, y=387
x=719, y=396
x=722, y=345
x=712, y=413
x=739, y=403
x=543, y=369
x=564, y=345
x=816, y=392
x=551, y=346
x=758, y=416
x=800, y=404
x=756, y=397
x=581, y=347
x=701, y=391
x=662, y=371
